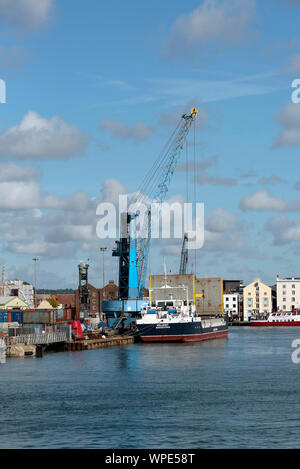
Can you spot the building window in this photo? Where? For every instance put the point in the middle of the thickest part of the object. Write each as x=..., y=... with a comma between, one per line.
x=283, y=286
x=284, y=300
x=293, y=286
x=293, y=299
x=293, y=292
x=284, y=307
x=284, y=292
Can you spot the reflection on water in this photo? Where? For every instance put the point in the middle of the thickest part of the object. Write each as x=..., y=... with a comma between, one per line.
x=235, y=392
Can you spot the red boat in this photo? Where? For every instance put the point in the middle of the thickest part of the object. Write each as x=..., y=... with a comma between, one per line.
x=288, y=319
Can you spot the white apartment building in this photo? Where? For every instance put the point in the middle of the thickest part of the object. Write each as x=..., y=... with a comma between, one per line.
x=231, y=304
x=23, y=290
x=288, y=293
x=257, y=299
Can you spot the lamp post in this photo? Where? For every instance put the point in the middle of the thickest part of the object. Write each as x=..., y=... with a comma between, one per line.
x=35, y=259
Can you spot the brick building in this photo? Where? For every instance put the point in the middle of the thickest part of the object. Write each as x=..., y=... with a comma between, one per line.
x=96, y=296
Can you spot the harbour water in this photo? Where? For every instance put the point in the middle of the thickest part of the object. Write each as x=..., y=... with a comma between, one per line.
x=240, y=392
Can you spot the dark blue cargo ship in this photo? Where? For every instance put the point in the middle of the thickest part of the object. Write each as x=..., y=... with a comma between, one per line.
x=180, y=326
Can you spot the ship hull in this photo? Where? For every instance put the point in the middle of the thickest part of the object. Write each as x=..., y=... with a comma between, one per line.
x=274, y=324
x=181, y=332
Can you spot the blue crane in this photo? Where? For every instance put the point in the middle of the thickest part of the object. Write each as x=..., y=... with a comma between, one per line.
x=131, y=249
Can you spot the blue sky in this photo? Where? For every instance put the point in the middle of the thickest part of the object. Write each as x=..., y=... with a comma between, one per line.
x=94, y=89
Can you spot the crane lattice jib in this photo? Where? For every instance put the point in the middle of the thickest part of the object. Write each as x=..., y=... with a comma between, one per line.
x=156, y=184
x=174, y=156
x=184, y=256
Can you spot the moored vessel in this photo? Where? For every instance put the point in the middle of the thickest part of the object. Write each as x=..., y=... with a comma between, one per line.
x=279, y=319
x=179, y=323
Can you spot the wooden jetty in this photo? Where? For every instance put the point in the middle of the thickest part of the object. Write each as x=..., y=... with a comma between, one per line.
x=90, y=344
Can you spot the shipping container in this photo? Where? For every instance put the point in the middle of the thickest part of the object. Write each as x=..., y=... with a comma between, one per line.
x=17, y=316
x=3, y=316
x=39, y=317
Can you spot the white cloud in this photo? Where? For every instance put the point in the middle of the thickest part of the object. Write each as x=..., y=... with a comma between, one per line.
x=138, y=132
x=262, y=200
x=19, y=195
x=212, y=25
x=205, y=179
x=71, y=232
x=12, y=172
x=25, y=14
x=284, y=231
x=198, y=165
x=77, y=202
x=42, y=248
x=289, y=119
x=39, y=139
x=223, y=232
x=221, y=220
x=250, y=174
x=225, y=242
x=271, y=180
x=111, y=189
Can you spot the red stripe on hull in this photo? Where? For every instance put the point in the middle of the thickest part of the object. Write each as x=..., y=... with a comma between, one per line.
x=274, y=324
x=185, y=338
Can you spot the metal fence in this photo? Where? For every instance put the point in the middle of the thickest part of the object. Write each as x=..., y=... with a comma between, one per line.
x=36, y=336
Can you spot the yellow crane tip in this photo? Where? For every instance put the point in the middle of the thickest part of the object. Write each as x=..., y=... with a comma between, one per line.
x=194, y=112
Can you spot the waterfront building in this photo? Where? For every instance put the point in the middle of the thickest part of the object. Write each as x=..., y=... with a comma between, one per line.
x=96, y=296
x=257, y=299
x=288, y=293
x=233, y=298
x=234, y=286
x=24, y=290
x=12, y=302
x=231, y=304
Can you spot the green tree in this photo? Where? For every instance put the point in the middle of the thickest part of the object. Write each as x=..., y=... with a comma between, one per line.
x=53, y=302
